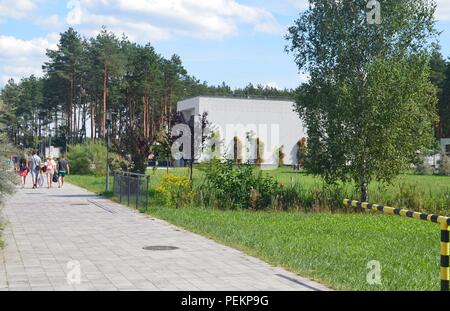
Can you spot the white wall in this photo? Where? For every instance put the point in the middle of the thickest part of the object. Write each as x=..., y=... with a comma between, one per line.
x=444, y=142
x=274, y=121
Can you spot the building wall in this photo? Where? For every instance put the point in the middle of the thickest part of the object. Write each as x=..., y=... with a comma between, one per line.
x=273, y=121
x=445, y=144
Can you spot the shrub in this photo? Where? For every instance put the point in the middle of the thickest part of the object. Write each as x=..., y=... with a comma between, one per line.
x=259, y=151
x=79, y=160
x=444, y=165
x=8, y=178
x=236, y=187
x=281, y=156
x=237, y=150
x=176, y=191
x=301, y=152
x=89, y=158
x=423, y=169
x=410, y=196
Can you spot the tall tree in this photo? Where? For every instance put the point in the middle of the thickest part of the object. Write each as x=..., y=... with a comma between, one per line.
x=110, y=61
x=438, y=68
x=444, y=104
x=63, y=69
x=369, y=105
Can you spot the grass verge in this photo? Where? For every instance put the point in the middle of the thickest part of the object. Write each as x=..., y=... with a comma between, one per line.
x=334, y=249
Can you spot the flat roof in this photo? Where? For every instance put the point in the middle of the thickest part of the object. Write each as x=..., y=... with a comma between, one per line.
x=251, y=97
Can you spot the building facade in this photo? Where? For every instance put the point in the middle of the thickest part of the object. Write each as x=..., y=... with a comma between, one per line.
x=248, y=129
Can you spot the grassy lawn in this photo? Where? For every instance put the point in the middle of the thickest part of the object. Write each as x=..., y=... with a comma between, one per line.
x=331, y=248
x=95, y=184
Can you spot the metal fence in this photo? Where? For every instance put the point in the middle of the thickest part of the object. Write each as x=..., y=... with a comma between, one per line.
x=132, y=188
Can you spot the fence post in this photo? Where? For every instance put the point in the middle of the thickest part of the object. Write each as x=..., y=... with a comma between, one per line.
x=121, y=182
x=114, y=183
x=138, y=191
x=129, y=188
x=146, y=192
x=445, y=252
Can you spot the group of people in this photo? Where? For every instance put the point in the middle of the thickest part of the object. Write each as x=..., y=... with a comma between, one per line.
x=55, y=171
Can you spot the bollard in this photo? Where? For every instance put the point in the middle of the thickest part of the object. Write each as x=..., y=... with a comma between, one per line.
x=445, y=252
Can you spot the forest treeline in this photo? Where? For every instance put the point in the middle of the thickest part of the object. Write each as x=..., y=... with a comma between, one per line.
x=86, y=77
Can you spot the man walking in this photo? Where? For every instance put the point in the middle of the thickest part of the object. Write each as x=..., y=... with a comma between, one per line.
x=63, y=170
x=35, y=168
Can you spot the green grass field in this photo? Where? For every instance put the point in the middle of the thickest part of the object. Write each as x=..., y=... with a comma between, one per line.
x=331, y=248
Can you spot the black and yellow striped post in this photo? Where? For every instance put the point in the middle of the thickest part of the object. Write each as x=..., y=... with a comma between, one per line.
x=443, y=221
x=445, y=252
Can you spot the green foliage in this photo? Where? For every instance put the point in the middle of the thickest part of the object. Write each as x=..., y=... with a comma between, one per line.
x=236, y=186
x=259, y=151
x=89, y=158
x=175, y=190
x=424, y=169
x=444, y=165
x=440, y=77
x=369, y=105
x=281, y=155
x=301, y=152
x=8, y=178
x=237, y=150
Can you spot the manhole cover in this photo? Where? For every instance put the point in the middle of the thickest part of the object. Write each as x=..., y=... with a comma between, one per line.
x=160, y=248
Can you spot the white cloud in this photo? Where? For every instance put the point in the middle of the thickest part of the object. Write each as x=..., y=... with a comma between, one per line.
x=18, y=8
x=52, y=21
x=299, y=4
x=21, y=58
x=443, y=10
x=164, y=19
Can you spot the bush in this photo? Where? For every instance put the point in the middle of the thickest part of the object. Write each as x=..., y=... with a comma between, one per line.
x=423, y=169
x=176, y=191
x=89, y=158
x=226, y=186
x=444, y=165
x=8, y=178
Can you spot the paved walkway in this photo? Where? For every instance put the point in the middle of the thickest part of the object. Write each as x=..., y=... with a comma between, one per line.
x=50, y=231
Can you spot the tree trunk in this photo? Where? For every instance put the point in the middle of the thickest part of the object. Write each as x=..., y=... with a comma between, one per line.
x=69, y=110
x=364, y=188
x=105, y=82
x=56, y=123
x=144, y=110
x=96, y=118
x=120, y=121
x=92, y=120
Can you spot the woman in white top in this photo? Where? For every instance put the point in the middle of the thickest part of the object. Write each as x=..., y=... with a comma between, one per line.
x=50, y=170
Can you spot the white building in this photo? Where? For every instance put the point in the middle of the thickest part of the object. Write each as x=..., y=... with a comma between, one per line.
x=445, y=145
x=274, y=122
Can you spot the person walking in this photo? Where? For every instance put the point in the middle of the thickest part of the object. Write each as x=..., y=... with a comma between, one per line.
x=35, y=168
x=23, y=171
x=50, y=166
x=63, y=170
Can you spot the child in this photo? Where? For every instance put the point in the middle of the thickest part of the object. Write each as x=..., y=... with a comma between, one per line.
x=50, y=170
x=23, y=171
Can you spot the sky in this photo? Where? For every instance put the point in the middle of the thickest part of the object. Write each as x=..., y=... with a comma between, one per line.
x=235, y=41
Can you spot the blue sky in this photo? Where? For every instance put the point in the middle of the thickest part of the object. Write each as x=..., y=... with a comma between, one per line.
x=236, y=41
